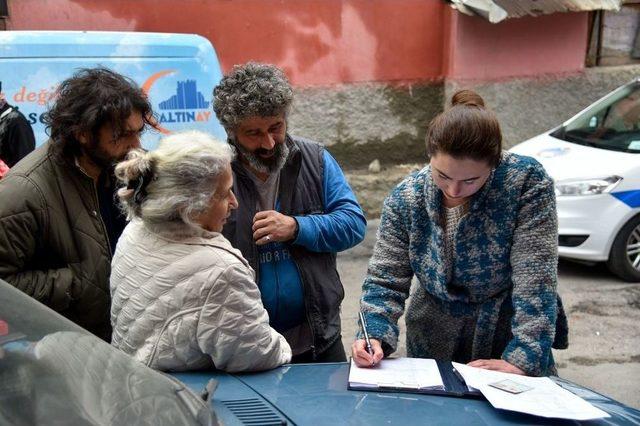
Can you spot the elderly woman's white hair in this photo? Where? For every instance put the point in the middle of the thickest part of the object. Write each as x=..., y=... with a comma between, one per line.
x=174, y=183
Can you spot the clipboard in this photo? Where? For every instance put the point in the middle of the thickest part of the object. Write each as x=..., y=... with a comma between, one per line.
x=438, y=377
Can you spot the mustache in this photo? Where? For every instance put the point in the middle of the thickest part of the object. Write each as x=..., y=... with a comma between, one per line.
x=264, y=151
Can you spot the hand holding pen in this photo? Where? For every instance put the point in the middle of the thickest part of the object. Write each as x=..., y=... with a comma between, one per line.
x=366, y=352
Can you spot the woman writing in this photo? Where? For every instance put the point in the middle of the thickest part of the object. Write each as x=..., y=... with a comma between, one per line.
x=477, y=227
x=182, y=297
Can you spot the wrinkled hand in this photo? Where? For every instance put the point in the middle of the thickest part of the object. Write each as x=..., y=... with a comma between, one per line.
x=363, y=358
x=270, y=226
x=496, y=365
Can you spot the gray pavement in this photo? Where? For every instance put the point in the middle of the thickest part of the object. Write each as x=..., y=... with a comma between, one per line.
x=604, y=313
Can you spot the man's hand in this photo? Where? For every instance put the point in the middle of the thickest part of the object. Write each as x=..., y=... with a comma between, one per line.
x=496, y=365
x=270, y=226
x=364, y=358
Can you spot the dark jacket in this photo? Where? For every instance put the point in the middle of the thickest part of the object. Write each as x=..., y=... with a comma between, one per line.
x=300, y=194
x=16, y=135
x=53, y=243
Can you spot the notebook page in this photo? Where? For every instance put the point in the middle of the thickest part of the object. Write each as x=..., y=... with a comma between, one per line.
x=407, y=373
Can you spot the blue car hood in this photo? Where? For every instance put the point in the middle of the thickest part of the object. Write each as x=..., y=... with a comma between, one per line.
x=317, y=394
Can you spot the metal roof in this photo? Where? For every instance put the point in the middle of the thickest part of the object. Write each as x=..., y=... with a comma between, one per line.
x=498, y=10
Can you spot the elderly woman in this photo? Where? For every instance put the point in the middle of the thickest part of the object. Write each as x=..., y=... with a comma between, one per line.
x=182, y=297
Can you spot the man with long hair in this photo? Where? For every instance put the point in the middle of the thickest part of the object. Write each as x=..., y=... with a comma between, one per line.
x=59, y=222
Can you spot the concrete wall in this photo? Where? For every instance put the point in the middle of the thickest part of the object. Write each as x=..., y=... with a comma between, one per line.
x=363, y=122
x=360, y=123
x=371, y=74
x=521, y=47
x=528, y=107
x=317, y=42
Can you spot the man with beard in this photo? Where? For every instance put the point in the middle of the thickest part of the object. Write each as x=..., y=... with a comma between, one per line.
x=296, y=210
x=59, y=222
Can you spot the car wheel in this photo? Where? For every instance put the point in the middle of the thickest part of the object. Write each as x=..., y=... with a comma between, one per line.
x=624, y=258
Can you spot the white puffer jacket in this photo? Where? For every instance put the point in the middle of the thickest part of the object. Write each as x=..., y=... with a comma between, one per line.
x=188, y=304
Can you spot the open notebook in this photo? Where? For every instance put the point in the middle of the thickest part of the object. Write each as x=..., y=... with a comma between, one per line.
x=416, y=375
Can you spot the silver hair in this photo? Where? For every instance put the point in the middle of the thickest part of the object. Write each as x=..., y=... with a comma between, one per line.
x=174, y=183
x=268, y=166
x=250, y=90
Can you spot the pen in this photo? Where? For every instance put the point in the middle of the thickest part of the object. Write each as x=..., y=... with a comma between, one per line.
x=363, y=323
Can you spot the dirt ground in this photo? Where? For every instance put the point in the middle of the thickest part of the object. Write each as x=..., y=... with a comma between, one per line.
x=604, y=312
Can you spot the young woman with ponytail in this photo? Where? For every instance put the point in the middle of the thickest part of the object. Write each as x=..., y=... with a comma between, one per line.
x=477, y=227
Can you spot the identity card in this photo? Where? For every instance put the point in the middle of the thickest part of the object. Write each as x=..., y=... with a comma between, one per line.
x=510, y=386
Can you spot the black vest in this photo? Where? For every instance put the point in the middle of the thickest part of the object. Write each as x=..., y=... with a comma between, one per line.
x=300, y=193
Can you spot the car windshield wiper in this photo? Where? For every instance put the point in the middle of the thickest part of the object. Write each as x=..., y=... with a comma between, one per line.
x=562, y=134
x=569, y=137
x=559, y=132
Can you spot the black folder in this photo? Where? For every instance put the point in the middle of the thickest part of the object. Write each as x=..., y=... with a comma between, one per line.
x=453, y=382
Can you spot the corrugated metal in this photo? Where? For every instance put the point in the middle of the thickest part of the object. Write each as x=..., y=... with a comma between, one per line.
x=498, y=10
x=519, y=8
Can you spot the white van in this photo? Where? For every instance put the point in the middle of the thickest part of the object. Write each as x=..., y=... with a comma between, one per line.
x=177, y=71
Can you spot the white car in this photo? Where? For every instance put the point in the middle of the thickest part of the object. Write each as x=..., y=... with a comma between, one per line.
x=594, y=159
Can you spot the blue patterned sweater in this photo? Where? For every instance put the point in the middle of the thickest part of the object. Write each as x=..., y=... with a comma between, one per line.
x=501, y=301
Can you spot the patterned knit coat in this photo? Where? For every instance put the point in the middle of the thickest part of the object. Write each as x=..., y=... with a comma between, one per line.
x=501, y=301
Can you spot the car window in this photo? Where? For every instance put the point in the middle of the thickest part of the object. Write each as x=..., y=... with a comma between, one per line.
x=54, y=372
x=612, y=123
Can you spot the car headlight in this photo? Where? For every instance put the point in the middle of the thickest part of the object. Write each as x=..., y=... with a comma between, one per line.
x=587, y=186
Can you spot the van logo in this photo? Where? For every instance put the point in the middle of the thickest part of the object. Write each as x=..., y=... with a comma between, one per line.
x=186, y=97
x=186, y=105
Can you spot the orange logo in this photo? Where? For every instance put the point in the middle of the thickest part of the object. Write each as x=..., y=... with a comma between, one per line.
x=146, y=88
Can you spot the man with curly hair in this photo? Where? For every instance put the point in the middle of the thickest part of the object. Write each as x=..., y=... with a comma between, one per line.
x=296, y=210
x=59, y=223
